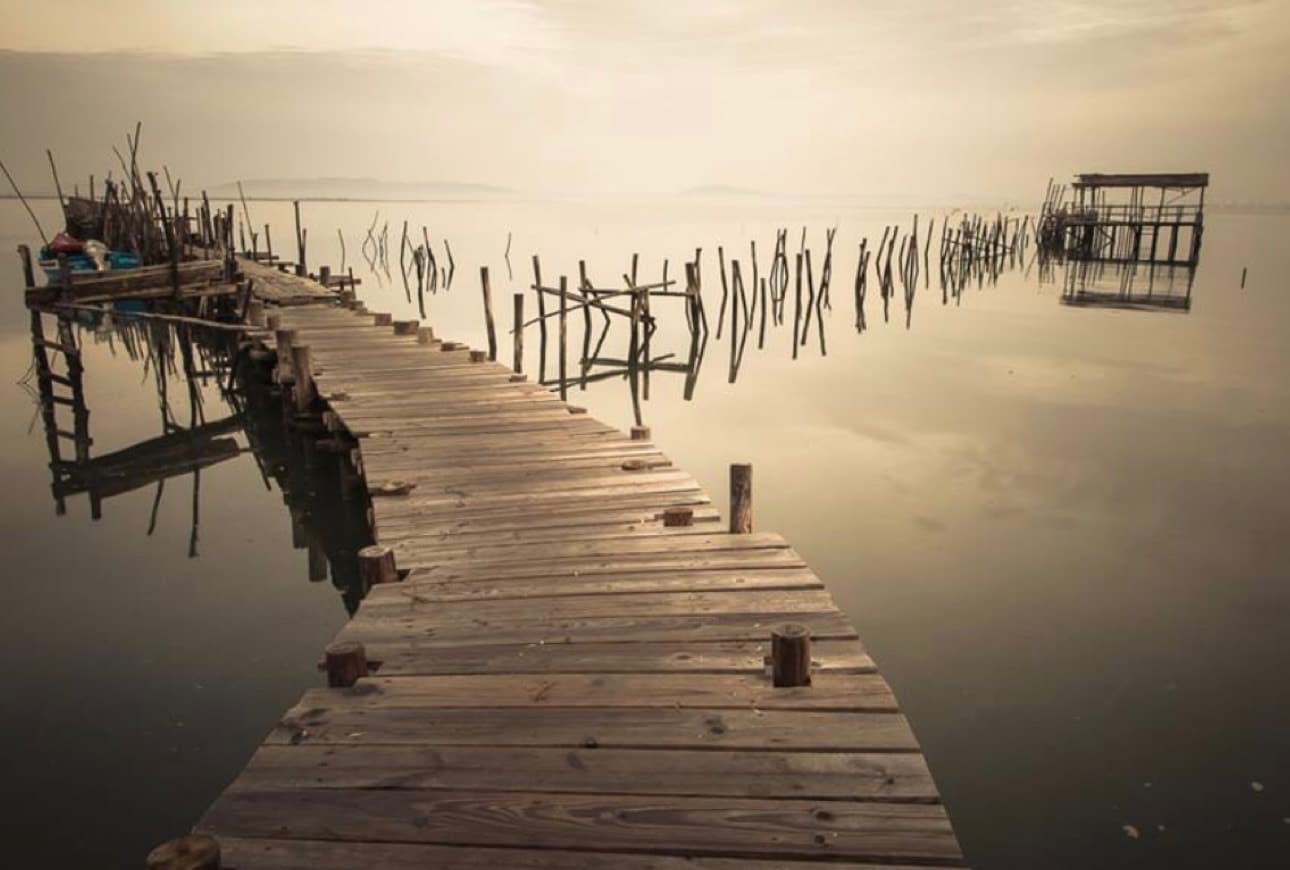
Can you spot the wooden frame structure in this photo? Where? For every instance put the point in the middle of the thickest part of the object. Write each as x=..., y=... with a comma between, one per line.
x=1153, y=218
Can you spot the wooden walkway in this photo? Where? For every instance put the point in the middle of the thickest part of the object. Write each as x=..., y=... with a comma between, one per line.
x=565, y=682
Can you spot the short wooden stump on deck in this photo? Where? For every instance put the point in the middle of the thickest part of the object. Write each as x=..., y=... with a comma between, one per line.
x=674, y=517
x=376, y=565
x=345, y=662
x=190, y=852
x=790, y=655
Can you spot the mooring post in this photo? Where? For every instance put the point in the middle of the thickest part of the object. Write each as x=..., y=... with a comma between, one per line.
x=346, y=663
x=517, y=335
x=790, y=655
x=189, y=852
x=376, y=565
x=740, y=498
x=478, y=356
x=640, y=433
x=406, y=327
x=382, y=319
x=28, y=276
x=324, y=275
x=301, y=363
x=678, y=516
x=425, y=334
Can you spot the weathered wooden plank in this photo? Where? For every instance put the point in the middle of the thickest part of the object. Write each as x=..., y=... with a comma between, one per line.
x=296, y=854
x=686, y=628
x=546, y=587
x=671, y=825
x=401, y=656
x=884, y=776
x=829, y=692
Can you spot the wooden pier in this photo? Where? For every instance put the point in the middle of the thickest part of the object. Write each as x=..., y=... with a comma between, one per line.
x=565, y=659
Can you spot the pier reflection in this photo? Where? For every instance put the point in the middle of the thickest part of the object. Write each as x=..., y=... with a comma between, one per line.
x=212, y=407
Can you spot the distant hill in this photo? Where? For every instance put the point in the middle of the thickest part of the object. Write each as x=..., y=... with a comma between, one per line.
x=359, y=189
x=723, y=190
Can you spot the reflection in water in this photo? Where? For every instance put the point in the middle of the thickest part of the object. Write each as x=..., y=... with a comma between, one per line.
x=310, y=469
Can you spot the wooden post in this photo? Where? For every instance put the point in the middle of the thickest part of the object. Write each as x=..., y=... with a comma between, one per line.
x=190, y=852
x=268, y=245
x=284, y=339
x=640, y=433
x=28, y=276
x=1244, y=269
x=301, y=269
x=382, y=319
x=273, y=322
x=406, y=327
x=376, y=565
x=517, y=335
x=64, y=277
x=488, y=313
x=346, y=663
x=478, y=356
x=255, y=312
x=324, y=275
x=564, y=338
x=304, y=383
x=740, y=498
x=425, y=334
x=541, y=305
x=790, y=655
x=678, y=516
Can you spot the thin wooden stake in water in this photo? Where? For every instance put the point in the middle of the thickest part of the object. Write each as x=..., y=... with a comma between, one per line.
x=301, y=270
x=517, y=335
x=564, y=335
x=488, y=313
x=541, y=305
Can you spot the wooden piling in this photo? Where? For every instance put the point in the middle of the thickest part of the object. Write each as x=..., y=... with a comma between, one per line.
x=541, y=306
x=324, y=275
x=517, y=334
x=406, y=327
x=301, y=363
x=640, y=433
x=346, y=663
x=189, y=852
x=376, y=565
x=284, y=339
x=425, y=335
x=28, y=275
x=1244, y=269
x=675, y=517
x=790, y=655
x=301, y=269
x=488, y=313
x=478, y=356
x=564, y=334
x=740, y=498
x=381, y=318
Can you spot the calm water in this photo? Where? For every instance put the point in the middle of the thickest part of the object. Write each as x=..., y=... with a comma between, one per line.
x=1061, y=532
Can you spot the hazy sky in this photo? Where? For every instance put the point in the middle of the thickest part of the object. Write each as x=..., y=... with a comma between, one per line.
x=916, y=99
